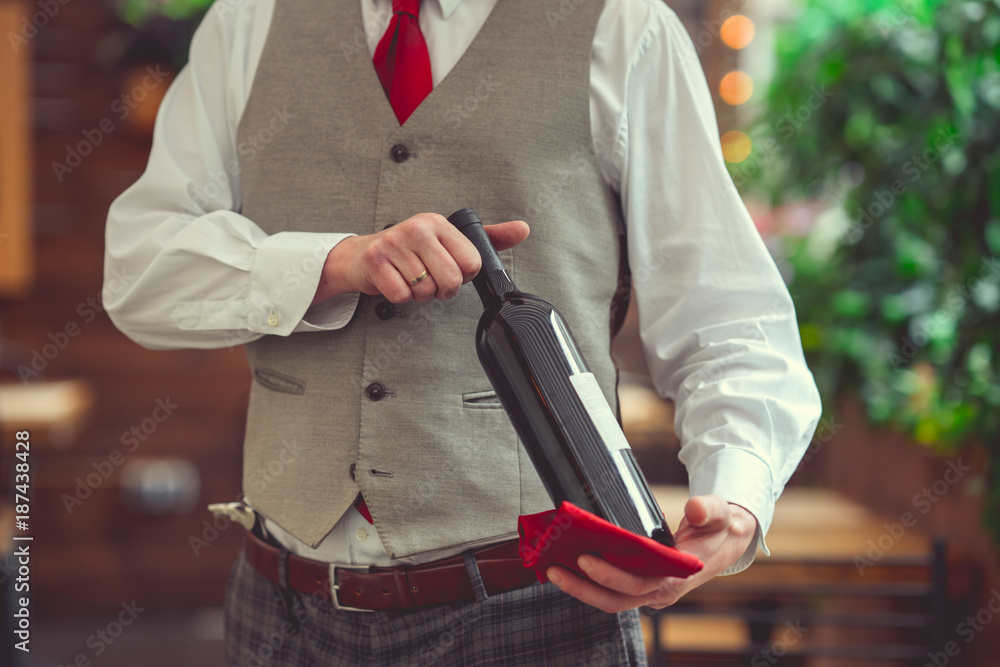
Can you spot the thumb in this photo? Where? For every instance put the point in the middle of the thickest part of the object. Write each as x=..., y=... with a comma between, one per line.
x=507, y=234
x=701, y=511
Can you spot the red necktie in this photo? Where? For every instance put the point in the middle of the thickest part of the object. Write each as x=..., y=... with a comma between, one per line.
x=402, y=61
x=404, y=68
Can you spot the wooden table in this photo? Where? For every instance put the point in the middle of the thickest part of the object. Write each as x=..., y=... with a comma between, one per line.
x=810, y=526
x=54, y=412
x=814, y=523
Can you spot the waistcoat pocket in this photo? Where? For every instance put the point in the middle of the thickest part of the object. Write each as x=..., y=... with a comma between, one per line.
x=479, y=400
x=278, y=381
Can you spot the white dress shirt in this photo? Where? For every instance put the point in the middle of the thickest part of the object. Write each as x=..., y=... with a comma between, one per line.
x=716, y=321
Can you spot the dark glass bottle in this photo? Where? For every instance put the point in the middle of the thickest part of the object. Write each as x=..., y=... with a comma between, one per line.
x=558, y=410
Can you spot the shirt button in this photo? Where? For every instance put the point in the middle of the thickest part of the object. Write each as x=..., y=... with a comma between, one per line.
x=399, y=153
x=272, y=319
x=375, y=391
x=362, y=534
x=384, y=310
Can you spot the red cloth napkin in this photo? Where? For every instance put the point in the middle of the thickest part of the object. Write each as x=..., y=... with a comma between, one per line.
x=558, y=537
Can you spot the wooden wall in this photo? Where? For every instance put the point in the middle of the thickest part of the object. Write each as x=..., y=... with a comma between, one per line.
x=16, y=256
x=103, y=553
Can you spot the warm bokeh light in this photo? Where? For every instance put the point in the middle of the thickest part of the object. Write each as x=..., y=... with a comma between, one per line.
x=736, y=88
x=737, y=31
x=736, y=146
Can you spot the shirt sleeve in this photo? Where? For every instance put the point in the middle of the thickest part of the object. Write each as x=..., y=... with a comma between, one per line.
x=183, y=268
x=716, y=320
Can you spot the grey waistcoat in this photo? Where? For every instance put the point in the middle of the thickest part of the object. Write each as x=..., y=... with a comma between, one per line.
x=506, y=133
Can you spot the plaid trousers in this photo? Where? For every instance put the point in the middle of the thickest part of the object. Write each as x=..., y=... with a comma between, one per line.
x=269, y=626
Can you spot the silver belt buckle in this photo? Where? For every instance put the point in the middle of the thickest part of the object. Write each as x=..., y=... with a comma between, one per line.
x=334, y=587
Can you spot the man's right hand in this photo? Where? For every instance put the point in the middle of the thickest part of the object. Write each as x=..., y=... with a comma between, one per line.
x=385, y=262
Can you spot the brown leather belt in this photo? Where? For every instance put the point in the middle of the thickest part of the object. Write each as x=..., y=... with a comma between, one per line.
x=364, y=588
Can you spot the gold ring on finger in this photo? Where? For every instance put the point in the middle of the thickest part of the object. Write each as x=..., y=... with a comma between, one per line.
x=419, y=279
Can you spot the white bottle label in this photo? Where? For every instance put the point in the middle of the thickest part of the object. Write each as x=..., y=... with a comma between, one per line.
x=600, y=412
x=611, y=433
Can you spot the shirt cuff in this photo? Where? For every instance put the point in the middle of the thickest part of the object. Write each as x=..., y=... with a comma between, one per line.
x=742, y=479
x=331, y=314
x=283, y=281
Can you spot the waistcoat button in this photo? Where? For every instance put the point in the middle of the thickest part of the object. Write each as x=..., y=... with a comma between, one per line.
x=399, y=153
x=384, y=310
x=375, y=391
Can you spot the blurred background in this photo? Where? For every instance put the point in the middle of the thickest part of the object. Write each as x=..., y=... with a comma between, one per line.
x=864, y=136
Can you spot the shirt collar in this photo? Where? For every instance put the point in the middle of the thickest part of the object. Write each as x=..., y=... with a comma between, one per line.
x=448, y=7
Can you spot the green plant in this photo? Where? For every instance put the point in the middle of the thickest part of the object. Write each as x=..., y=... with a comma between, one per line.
x=157, y=31
x=889, y=111
x=138, y=12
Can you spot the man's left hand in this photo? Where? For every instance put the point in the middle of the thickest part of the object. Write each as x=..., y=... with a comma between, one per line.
x=715, y=531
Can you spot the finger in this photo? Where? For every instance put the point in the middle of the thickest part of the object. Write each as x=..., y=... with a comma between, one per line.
x=410, y=267
x=383, y=274
x=707, y=511
x=391, y=284
x=507, y=234
x=466, y=257
x=393, y=277
x=444, y=267
x=502, y=236
x=604, y=573
x=590, y=593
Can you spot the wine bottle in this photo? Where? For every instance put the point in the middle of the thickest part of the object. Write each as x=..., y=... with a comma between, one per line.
x=553, y=400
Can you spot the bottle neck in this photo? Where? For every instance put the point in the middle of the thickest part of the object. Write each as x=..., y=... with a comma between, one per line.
x=492, y=286
x=492, y=281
